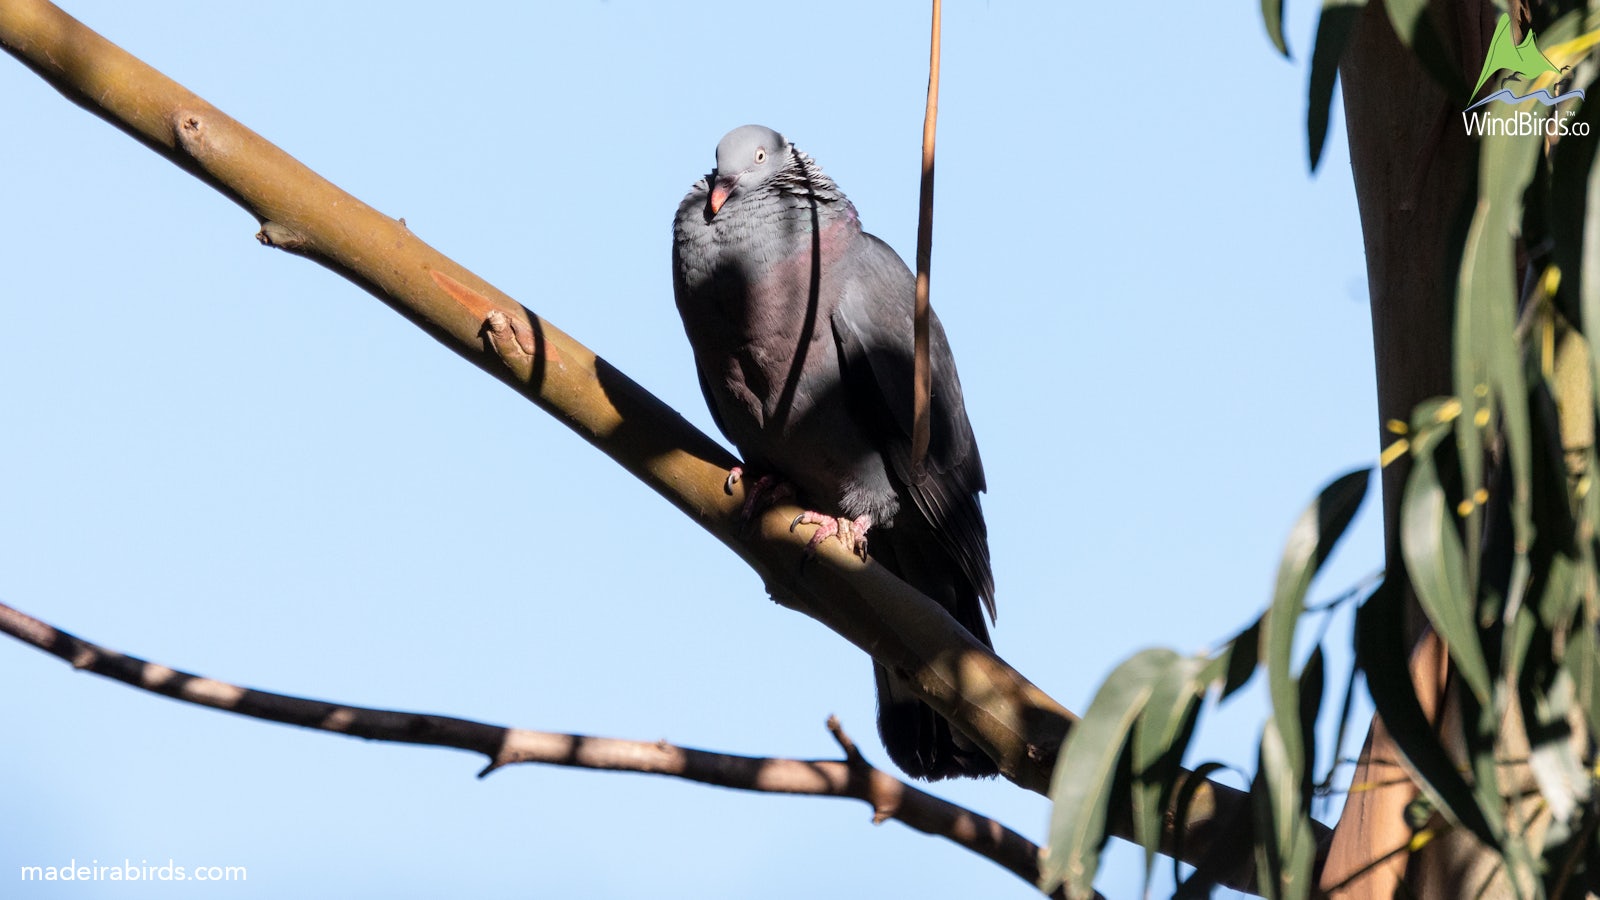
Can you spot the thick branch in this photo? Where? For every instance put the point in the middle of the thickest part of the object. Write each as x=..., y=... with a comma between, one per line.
x=853, y=777
x=299, y=211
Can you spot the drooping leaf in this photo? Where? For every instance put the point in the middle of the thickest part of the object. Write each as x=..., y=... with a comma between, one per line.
x=1574, y=190
x=1272, y=17
x=1283, y=831
x=1280, y=795
x=1487, y=363
x=1310, y=542
x=1085, y=771
x=1311, y=686
x=1283, y=781
x=1160, y=737
x=1433, y=556
x=1575, y=225
x=1237, y=661
x=1384, y=656
x=1481, y=725
x=1517, y=642
x=1338, y=20
x=1582, y=662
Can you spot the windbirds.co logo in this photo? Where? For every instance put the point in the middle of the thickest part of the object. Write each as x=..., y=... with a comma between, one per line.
x=1527, y=63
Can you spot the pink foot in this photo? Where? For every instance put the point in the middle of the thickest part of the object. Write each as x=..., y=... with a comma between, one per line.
x=766, y=492
x=851, y=532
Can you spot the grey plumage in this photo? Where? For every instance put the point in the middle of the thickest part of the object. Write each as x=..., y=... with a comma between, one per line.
x=801, y=328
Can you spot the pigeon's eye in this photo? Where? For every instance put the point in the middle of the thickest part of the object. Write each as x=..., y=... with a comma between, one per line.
x=761, y=155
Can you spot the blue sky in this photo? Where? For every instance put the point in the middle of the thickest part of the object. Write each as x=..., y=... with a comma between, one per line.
x=227, y=460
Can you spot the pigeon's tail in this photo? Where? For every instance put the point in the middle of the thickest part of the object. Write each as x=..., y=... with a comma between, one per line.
x=920, y=741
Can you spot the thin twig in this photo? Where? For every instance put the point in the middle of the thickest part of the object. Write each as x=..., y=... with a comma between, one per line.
x=922, y=369
x=1370, y=580
x=854, y=777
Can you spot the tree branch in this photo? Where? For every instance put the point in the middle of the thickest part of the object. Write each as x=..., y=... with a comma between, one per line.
x=853, y=777
x=300, y=212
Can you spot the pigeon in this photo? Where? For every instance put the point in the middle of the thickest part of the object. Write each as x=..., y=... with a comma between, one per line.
x=801, y=327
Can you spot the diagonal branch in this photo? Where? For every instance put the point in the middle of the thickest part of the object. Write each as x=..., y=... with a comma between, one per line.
x=302, y=213
x=852, y=777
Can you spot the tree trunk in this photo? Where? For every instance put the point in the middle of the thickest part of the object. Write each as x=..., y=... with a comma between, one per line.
x=1415, y=171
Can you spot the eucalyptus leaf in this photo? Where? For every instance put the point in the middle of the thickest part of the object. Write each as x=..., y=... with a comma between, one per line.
x=1283, y=831
x=1383, y=654
x=1160, y=737
x=1237, y=661
x=1272, y=17
x=1086, y=770
x=1487, y=365
x=1337, y=21
x=1433, y=556
x=1310, y=541
x=1582, y=662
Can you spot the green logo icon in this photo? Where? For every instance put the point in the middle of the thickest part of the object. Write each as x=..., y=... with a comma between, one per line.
x=1525, y=62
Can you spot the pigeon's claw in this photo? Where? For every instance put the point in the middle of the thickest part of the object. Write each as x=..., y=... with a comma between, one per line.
x=851, y=532
x=768, y=491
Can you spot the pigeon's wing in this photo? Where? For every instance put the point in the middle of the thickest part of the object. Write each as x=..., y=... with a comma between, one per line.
x=711, y=402
x=873, y=328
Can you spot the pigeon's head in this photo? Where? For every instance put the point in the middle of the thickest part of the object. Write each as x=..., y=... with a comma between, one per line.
x=747, y=157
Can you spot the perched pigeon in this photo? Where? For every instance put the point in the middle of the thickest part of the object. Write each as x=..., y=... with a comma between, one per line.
x=801, y=326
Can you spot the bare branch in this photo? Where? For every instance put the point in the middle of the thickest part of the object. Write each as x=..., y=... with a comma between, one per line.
x=300, y=212
x=854, y=777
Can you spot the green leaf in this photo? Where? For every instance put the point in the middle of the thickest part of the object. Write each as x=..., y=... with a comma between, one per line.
x=1272, y=17
x=1310, y=542
x=1561, y=597
x=1160, y=737
x=1383, y=654
x=1237, y=661
x=1284, y=846
x=1574, y=190
x=1338, y=20
x=1432, y=552
x=1480, y=725
x=1575, y=223
x=1516, y=642
x=1281, y=799
x=1086, y=770
x=1312, y=687
x=1582, y=662
x=1487, y=364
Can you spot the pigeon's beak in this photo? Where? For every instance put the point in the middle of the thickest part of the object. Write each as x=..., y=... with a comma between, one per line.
x=720, y=189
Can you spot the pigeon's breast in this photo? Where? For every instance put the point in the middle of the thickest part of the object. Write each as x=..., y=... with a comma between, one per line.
x=757, y=291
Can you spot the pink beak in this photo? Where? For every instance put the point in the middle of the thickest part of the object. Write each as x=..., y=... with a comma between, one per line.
x=720, y=189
